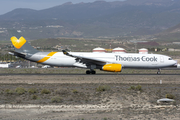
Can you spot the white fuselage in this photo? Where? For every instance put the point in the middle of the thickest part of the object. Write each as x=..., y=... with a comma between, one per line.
x=127, y=60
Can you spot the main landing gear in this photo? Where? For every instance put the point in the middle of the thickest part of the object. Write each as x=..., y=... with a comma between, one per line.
x=159, y=71
x=90, y=72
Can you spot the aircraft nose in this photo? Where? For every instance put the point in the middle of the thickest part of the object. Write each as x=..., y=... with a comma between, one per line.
x=175, y=63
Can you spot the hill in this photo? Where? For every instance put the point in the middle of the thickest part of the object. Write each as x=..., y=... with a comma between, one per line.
x=171, y=34
x=97, y=19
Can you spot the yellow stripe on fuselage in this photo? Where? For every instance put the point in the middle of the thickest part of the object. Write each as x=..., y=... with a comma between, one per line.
x=47, y=57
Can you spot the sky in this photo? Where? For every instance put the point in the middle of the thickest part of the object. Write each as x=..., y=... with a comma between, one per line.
x=9, y=5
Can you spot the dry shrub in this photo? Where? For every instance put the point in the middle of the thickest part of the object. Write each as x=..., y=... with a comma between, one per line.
x=56, y=99
x=170, y=96
x=45, y=91
x=34, y=97
x=20, y=90
x=8, y=91
x=75, y=91
x=137, y=88
x=32, y=90
x=103, y=88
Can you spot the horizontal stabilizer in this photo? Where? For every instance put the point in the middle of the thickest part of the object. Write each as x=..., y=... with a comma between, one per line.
x=17, y=54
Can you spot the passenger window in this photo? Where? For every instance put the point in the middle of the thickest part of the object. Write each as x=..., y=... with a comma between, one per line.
x=170, y=58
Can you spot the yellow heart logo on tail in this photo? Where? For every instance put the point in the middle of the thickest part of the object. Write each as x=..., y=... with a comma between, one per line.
x=18, y=43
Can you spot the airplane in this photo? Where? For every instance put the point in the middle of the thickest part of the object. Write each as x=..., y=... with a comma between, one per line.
x=112, y=62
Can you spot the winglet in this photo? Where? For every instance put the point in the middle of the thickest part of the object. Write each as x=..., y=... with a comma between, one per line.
x=65, y=52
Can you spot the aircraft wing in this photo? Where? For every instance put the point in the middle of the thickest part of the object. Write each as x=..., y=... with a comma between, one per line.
x=87, y=60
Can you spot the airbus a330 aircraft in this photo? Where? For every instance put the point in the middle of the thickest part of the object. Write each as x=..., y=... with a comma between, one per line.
x=113, y=62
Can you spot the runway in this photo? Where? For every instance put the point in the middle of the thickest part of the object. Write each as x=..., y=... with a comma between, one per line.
x=81, y=74
x=83, y=78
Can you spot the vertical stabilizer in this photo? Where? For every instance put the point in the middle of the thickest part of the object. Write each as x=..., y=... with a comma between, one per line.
x=22, y=46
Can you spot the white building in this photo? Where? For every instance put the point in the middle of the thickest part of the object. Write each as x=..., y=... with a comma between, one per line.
x=4, y=65
x=119, y=50
x=143, y=51
x=99, y=50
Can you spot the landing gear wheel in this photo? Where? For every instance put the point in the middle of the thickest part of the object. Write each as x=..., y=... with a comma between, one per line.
x=93, y=72
x=88, y=72
x=159, y=71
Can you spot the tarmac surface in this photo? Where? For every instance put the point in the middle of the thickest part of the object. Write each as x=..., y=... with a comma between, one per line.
x=82, y=74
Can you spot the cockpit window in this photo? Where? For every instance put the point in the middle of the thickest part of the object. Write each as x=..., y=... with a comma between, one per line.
x=170, y=59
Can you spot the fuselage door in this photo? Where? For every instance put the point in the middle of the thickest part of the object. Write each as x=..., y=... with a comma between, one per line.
x=161, y=59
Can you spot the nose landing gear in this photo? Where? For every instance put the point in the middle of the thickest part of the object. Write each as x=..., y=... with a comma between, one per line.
x=159, y=71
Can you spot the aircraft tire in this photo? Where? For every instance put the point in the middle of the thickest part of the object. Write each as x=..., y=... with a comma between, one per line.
x=88, y=72
x=158, y=73
x=93, y=72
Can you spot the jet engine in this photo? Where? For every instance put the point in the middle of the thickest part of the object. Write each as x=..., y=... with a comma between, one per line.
x=112, y=67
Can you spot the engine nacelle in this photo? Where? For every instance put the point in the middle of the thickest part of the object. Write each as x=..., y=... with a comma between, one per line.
x=112, y=67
